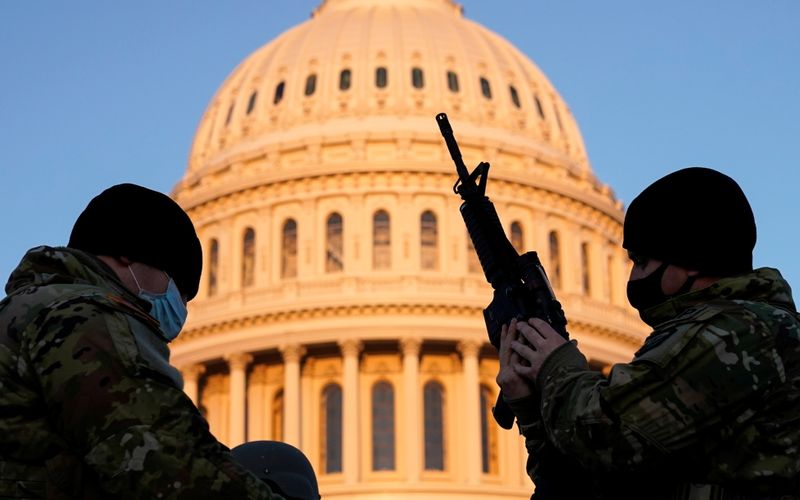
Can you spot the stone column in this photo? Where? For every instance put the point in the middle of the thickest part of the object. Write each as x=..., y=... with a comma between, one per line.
x=351, y=444
x=472, y=409
x=191, y=376
x=237, y=363
x=291, y=393
x=412, y=414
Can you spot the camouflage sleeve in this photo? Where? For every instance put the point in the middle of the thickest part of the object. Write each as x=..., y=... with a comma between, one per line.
x=699, y=379
x=139, y=433
x=554, y=474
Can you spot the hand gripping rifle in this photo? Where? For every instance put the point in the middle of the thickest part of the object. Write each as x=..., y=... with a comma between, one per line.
x=521, y=287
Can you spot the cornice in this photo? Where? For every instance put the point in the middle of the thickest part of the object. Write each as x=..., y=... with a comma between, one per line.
x=576, y=325
x=586, y=207
x=294, y=315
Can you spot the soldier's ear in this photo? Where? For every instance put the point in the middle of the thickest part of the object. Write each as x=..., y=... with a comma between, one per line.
x=116, y=262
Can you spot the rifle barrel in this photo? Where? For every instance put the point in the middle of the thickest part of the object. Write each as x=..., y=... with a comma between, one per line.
x=452, y=146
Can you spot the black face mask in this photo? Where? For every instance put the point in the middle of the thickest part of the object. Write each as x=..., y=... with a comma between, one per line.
x=646, y=292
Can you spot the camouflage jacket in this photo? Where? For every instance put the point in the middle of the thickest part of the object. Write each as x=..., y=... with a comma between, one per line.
x=709, y=403
x=89, y=405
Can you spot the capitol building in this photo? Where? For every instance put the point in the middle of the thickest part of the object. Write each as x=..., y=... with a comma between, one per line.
x=340, y=308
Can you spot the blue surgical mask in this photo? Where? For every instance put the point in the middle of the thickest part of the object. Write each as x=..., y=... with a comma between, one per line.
x=168, y=308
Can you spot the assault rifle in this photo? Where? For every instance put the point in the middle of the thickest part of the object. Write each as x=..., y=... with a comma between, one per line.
x=521, y=287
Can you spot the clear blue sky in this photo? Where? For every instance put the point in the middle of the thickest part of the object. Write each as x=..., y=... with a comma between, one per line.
x=94, y=93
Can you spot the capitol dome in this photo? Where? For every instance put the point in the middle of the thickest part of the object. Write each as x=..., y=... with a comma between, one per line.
x=340, y=307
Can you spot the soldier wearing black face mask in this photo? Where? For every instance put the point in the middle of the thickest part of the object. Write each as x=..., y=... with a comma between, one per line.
x=709, y=405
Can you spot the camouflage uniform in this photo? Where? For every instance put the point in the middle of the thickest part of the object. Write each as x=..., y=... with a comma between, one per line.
x=709, y=406
x=89, y=405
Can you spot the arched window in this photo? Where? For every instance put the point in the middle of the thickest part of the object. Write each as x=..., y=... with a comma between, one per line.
x=311, y=84
x=252, y=102
x=429, y=247
x=381, y=240
x=488, y=433
x=473, y=263
x=433, y=396
x=229, y=115
x=539, y=107
x=585, y=270
x=452, y=81
x=514, y=96
x=278, y=92
x=381, y=77
x=554, y=272
x=331, y=432
x=277, y=416
x=417, y=79
x=345, y=78
x=610, y=278
x=517, y=240
x=248, y=257
x=486, y=89
x=289, y=249
x=334, y=256
x=382, y=426
x=213, y=267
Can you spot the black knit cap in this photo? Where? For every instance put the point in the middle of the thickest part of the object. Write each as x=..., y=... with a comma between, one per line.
x=696, y=218
x=283, y=467
x=145, y=226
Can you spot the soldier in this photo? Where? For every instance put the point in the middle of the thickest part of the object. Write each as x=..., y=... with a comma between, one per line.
x=90, y=406
x=709, y=407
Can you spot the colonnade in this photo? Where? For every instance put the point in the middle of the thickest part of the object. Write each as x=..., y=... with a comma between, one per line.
x=409, y=409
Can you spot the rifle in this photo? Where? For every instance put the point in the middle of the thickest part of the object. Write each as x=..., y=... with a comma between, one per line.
x=521, y=287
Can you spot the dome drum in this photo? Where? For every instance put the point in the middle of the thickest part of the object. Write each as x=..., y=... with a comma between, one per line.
x=340, y=307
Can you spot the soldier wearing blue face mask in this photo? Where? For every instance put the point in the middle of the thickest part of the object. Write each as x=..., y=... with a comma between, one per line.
x=91, y=406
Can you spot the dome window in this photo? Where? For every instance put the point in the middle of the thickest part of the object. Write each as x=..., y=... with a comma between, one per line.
x=517, y=238
x=277, y=416
x=434, y=425
x=213, y=267
x=555, y=260
x=486, y=89
x=585, y=268
x=252, y=102
x=331, y=428
x=489, y=463
x=229, y=115
x=248, y=257
x=382, y=426
x=311, y=84
x=514, y=96
x=289, y=249
x=345, y=79
x=429, y=244
x=278, y=93
x=539, y=107
x=381, y=240
x=381, y=77
x=452, y=81
x=334, y=255
x=417, y=79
